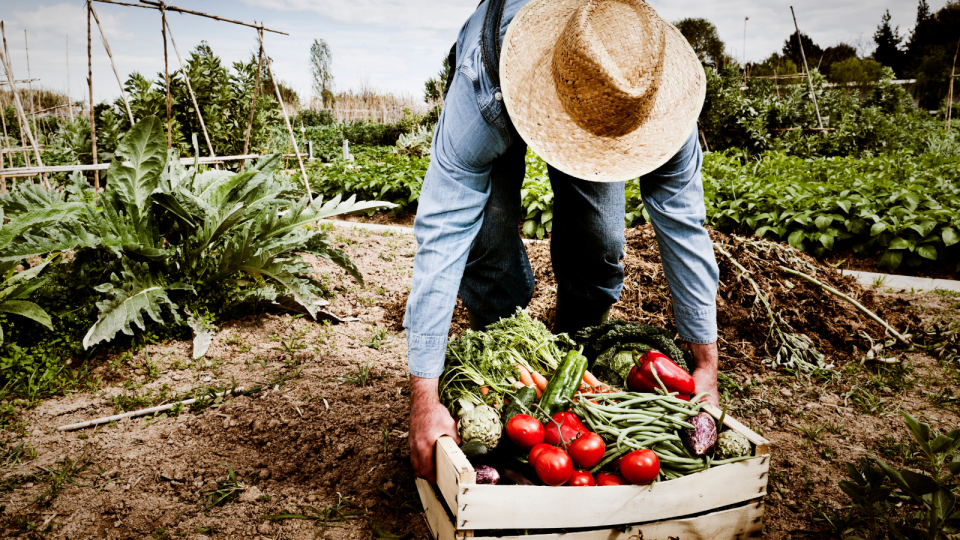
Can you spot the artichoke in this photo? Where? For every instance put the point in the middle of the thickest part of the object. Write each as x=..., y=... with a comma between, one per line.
x=731, y=444
x=481, y=424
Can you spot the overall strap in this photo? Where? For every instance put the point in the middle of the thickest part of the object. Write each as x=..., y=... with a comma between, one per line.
x=490, y=40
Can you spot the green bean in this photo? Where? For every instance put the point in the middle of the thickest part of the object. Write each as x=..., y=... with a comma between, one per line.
x=731, y=460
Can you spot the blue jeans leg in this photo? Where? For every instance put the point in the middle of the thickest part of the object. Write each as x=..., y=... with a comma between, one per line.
x=586, y=247
x=498, y=277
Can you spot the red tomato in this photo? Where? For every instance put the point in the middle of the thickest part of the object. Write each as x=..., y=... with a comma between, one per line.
x=570, y=427
x=554, y=466
x=607, y=479
x=615, y=464
x=640, y=466
x=587, y=450
x=525, y=431
x=535, y=452
x=581, y=478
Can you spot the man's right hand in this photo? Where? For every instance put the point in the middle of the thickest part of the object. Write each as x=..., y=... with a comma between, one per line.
x=429, y=420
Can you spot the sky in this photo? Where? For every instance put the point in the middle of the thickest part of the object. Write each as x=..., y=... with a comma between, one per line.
x=391, y=45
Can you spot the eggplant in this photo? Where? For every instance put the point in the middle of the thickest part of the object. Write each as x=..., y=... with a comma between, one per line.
x=702, y=438
x=487, y=475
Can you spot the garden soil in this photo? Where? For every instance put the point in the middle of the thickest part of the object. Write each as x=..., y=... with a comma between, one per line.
x=323, y=433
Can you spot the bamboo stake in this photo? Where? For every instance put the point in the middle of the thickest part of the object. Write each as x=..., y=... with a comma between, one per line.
x=253, y=104
x=19, y=106
x=33, y=97
x=141, y=412
x=93, y=120
x=953, y=75
x=6, y=138
x=183, y=69
x=166, y=73
x=106, y=46
x=813, y=94
x=855, y=304
x=12, y=84
x=69, y=101
x=286, y=119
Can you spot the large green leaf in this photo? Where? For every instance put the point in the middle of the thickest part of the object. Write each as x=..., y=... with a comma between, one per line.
x=927, y=251
x=299, y=288
x=128, y=295
x=890, y=259
x=950, y=236
x=28, y=310
x=146, y=150
x=38, y=218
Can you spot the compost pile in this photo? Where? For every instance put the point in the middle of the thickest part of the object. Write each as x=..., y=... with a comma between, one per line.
x=817, y=328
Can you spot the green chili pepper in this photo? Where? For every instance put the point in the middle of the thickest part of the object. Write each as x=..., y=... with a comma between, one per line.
x=564, y=383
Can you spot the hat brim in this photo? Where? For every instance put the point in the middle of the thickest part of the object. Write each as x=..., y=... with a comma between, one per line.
x=527, y=83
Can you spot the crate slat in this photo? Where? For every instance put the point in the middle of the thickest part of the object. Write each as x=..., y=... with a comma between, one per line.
x=736, y=523
x=453, y=469
x=541, y=507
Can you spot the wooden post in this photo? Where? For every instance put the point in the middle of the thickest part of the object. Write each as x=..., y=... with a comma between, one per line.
x=23, y=138
x=93, y=120
x=106, y=46
x=16, y=102
x=953, y=75
x=286, y=119
x=6, y=138
x=253, y=104
x=813, y=94
x=33, y=97
x=186, y=78
x=166, y=72
x=69, y=101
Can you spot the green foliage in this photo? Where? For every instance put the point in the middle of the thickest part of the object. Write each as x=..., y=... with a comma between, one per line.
x=903, y=206
x=927, y=499
x=328, y=137
x=16, y=287
x=377, y=175
x=536, y=198
x=180, y=239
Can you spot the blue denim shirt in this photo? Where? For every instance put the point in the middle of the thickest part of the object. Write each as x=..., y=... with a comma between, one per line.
x=474, y=130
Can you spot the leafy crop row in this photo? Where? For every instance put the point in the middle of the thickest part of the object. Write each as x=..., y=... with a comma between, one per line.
x=902, y=206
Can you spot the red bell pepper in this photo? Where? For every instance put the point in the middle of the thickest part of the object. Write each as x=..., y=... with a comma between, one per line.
x=673, y=377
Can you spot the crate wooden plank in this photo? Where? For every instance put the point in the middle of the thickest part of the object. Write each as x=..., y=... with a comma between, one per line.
x=762, y=444
x=522, y=507
x=441, y=528
x=742, y=522
x=453, y=469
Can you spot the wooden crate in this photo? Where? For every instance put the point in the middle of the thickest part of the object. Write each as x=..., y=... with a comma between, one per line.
x=722, y=502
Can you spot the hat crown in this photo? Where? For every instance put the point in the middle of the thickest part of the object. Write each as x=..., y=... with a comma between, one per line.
x=607, y=65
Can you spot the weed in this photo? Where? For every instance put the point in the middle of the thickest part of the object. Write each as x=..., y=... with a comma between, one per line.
x=810, y=432
x=65, y=473
x=239, y=343
x=226, y=490
x=387, y=256
x=377, y=336
x=361, y=376
x=329, y=514
x=864, y=400
x=15, y=454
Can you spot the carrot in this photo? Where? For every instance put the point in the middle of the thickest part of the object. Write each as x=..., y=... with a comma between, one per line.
x=525, y=377
x=539, y=379
x=484, y=390
x=518, y=384
x=591, y=379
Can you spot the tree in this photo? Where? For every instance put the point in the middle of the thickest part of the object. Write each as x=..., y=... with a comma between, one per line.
x=791, y=49
x=703, y=37
x=435, y=87
x=321, y=70
x=837, y=53
x=855, y=72
x=888, y=41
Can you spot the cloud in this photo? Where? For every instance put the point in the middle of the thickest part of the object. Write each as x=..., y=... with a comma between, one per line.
x=54, y=22
x=401, y=14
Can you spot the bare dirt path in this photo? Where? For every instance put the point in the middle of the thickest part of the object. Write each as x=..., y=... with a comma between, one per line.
x=323, y=439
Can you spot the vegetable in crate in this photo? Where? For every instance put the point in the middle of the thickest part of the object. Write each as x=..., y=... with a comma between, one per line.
x=487, y=475
x=612, y=343
x=564, y=383
x=554, y=466
x=731, y=444
x=607, y=479
x=640, y=466
x=654, y=366
x=481, y=423
x=703, y=436
x=581, y=478
x=564, y=428
x=525, y=431
x=522, y=403
x=587, y=450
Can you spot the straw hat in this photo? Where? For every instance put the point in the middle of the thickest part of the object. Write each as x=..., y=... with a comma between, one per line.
x=604, y=90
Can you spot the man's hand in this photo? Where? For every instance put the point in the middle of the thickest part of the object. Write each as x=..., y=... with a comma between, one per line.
x=706, y=359
x=429, y=420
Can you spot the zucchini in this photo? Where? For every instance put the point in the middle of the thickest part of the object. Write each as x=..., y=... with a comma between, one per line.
x=522, y=403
